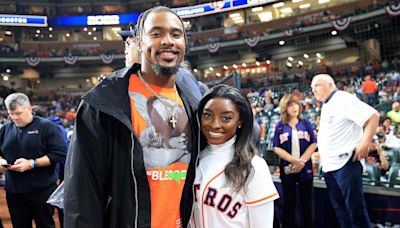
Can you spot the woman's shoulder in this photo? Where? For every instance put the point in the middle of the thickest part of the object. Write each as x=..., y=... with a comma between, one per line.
x=259, y=162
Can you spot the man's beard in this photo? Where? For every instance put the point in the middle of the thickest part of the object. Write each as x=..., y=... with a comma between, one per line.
x=163, y=70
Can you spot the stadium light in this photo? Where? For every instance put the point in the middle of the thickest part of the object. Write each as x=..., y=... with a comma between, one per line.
x=232, y=15
x=268, y=62
x=38, y=31
x=211, y=69
x=258, y=63
x=305, y=6
x=306, y=56
x=5, y=78
x=225, y=67
x=279, y=4
x=195, y=70
x=265, y=16
x=50, y=29
x=323, y=1
x=334, y=33
x=244, y=65
x=235, y=66
x=282, y=42
x=290, y=58
x=257, y=9
x=296, y=1
x=286, y=10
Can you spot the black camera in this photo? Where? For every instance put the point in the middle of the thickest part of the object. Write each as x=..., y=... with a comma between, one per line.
x=380, y=135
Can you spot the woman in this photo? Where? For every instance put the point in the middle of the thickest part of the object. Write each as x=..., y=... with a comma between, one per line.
x=233, y=186
x=294, y=142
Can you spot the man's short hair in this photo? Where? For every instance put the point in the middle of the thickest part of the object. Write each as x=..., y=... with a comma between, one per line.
x=15, y=99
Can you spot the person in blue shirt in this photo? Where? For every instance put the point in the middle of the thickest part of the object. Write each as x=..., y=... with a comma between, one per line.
x=30, y=147
x=294, y=142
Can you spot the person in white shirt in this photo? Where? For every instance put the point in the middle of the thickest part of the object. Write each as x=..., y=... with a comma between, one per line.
x=233, y=186
x=346, y=129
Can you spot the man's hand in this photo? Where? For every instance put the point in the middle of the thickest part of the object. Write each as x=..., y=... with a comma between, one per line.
x=21, y=165
x=361, y=152
x=298, y=165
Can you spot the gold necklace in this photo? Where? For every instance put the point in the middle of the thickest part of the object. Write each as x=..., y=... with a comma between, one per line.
x=173, y=120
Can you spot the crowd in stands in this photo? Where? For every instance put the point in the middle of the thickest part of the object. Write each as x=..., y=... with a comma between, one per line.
x=384, y=82
x=14, y=51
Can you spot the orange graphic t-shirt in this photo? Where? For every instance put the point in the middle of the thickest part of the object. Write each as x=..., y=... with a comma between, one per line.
x=166, y=147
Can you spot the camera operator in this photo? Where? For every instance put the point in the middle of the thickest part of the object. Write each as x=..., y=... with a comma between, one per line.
x=377, y=156
x=387, y=141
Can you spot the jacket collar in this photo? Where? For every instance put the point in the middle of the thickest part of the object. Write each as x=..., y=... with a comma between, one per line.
x=111, y=95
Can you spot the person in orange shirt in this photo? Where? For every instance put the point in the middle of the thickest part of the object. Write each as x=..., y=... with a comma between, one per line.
x=134, y=149
x=71, y=114
x=369, y=88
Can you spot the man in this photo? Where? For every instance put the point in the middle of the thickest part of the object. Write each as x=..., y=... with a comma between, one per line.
x=131, y=48
x=369, y=88
x=133, y=152
x=30, y=146
x=342, y=144
x=394, y=114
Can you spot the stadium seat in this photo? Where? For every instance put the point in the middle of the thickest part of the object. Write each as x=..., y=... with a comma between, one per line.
x=394, y=177
x=393, y=156
x=371, y=175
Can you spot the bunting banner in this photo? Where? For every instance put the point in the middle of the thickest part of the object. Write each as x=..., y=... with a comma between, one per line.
x=33, y=60
x=393, y=10
x=107, y=59
x=252, y=41
x=71, y=60
x=341, y=24
x=213, y=47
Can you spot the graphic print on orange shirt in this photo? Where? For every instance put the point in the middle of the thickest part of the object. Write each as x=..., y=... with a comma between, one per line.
x=166, y=150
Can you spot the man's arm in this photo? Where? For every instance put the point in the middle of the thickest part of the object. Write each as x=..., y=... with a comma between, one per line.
x=361, y=150
x=55, y=151
x=86, y=171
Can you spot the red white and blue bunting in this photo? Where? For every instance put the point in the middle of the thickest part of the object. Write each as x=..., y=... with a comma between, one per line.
x=33, y=61
x=341, y=24
x=107, y=59
x=393, y=10
x=252, y=41
x=71, y=60
x=213, y=47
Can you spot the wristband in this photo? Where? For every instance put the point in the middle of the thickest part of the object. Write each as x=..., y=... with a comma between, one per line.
x=35, y=163
x=32, y=163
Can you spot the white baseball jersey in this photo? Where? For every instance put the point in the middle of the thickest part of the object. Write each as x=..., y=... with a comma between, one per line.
x=341, y=128
x=216, y=205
